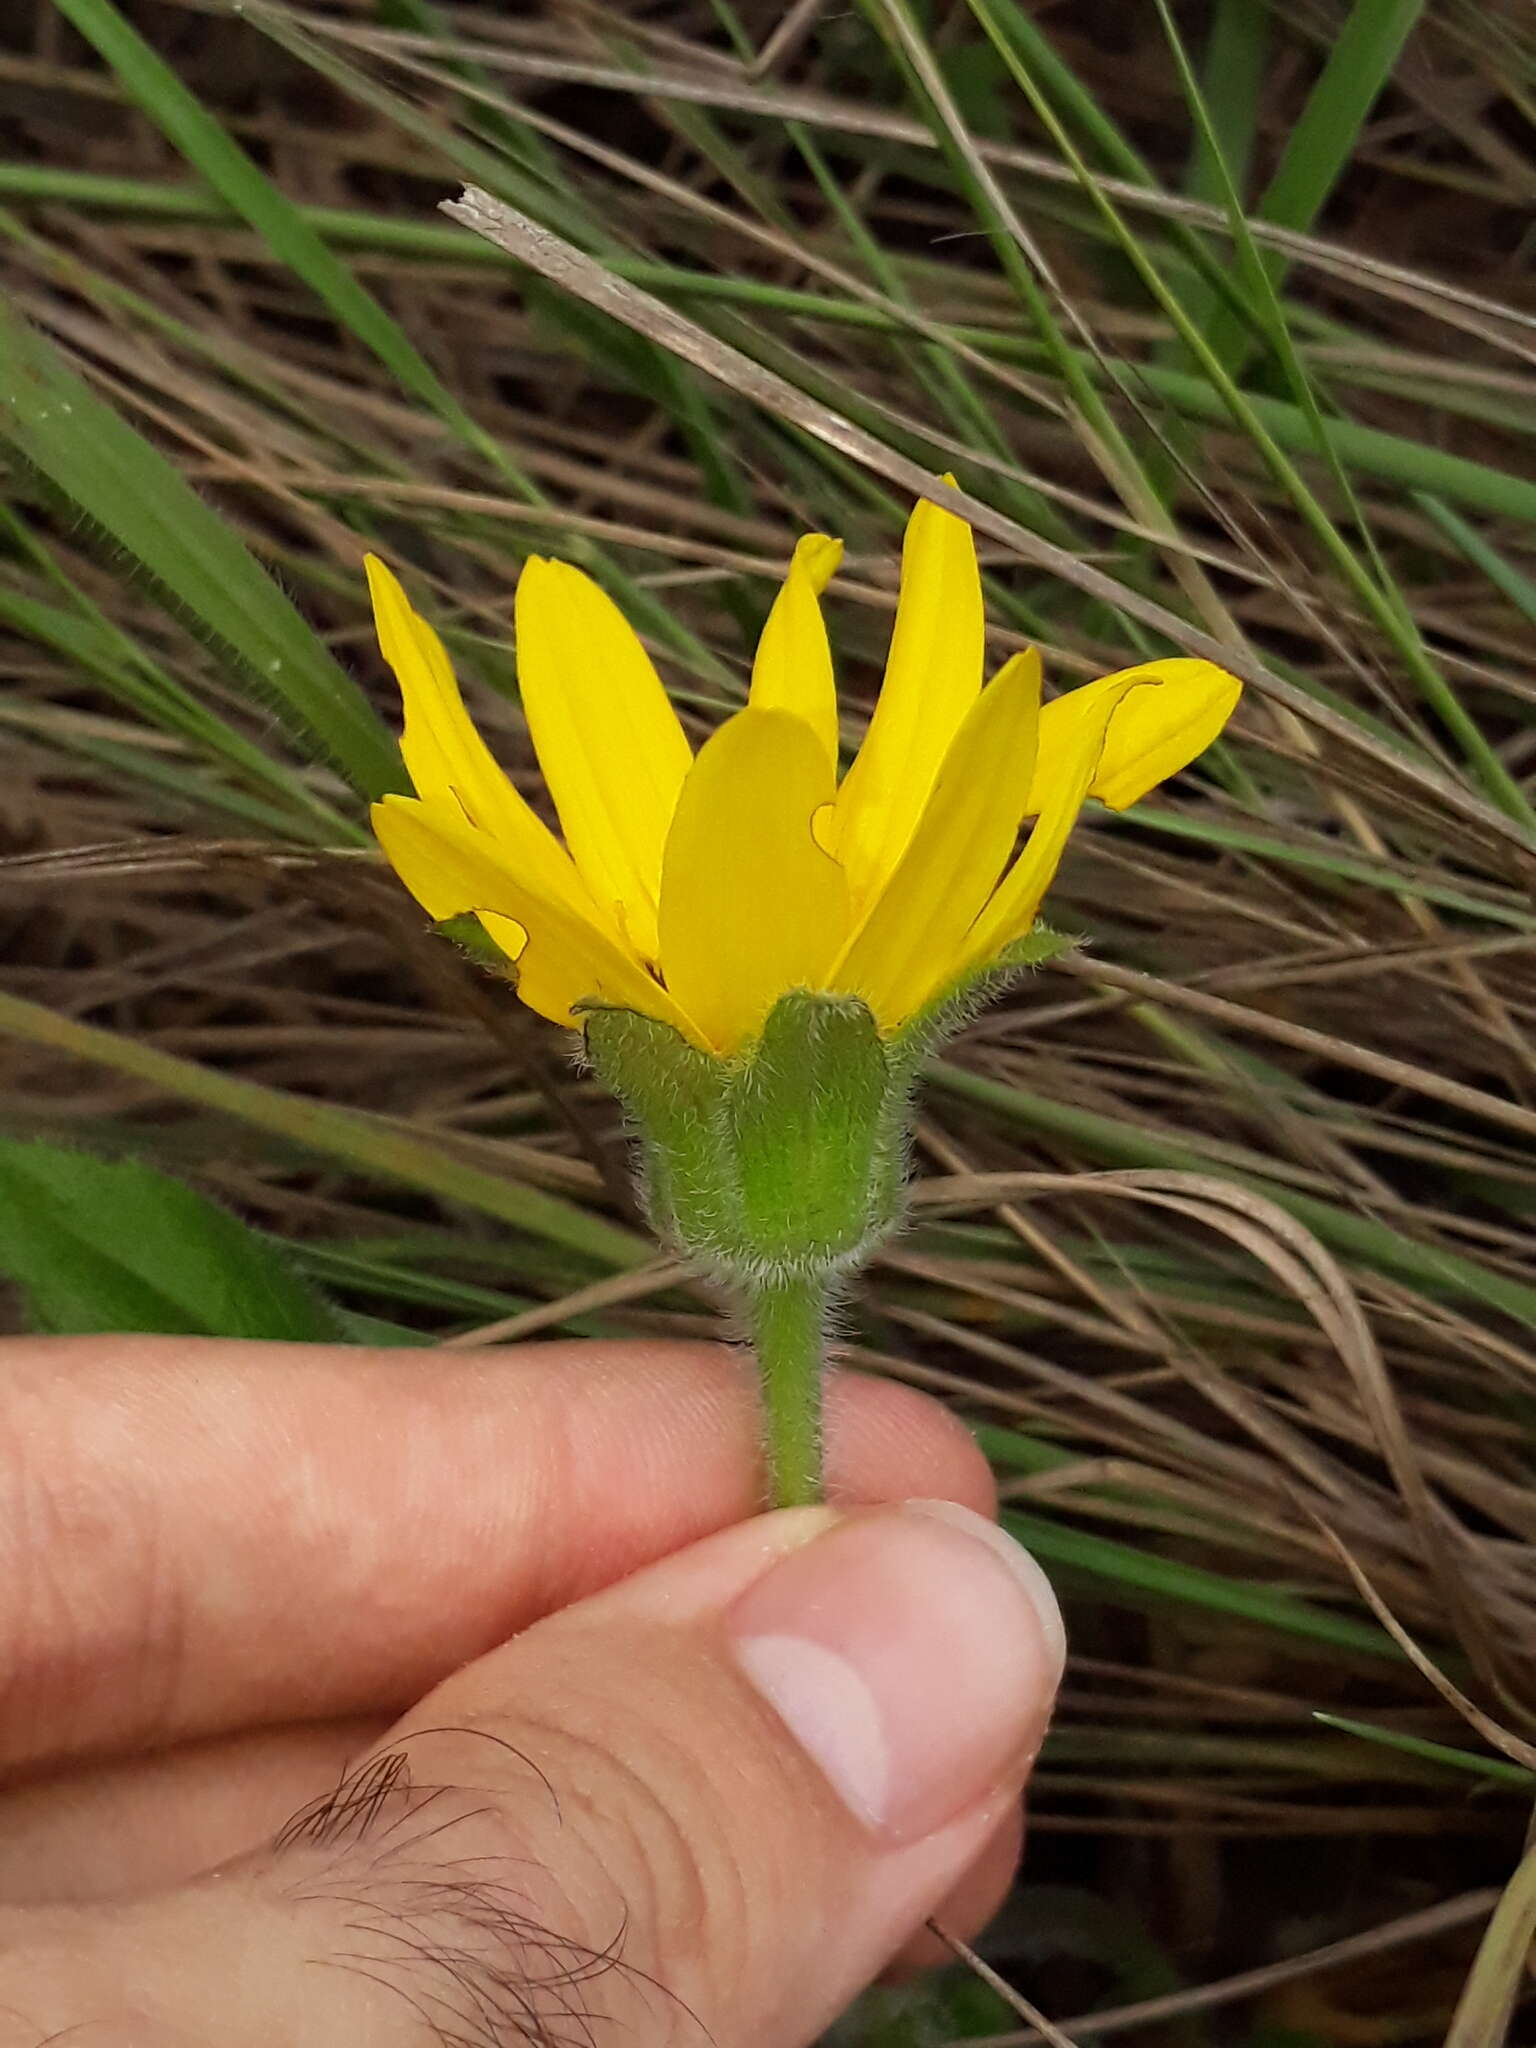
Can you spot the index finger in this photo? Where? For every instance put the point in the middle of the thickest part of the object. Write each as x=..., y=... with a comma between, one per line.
x=197, y=1536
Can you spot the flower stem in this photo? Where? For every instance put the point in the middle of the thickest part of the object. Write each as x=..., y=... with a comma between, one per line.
x=787, y=1320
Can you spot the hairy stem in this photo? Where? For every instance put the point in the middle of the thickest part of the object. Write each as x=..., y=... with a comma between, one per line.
x=787, y=1321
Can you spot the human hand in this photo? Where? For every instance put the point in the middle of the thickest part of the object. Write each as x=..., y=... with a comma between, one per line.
x=396, y=1697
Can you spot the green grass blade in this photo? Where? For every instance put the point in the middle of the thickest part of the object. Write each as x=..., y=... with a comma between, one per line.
x=89, y=641
x=490, y=168
x=1383, y=604
x=1394, y=614
x=1496, y=1767
x=1511, y=582
x=191, y=796
x=1236, y=57
x=522, y=143
x=1144, y=1572
x=294, y=240
x=1361, y=60
x=128, y=489
x=1370, y=451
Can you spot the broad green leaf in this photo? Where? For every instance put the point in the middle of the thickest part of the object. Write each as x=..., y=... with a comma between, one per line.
x=110, y=1244
x=362, y=1329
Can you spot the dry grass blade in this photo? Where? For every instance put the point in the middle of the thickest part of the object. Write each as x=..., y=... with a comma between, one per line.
x=1303, y=1269
x=1474, y=1102
x=566, y=266
x=1041, y=2029
x=1500, y=1973
x=640, y=1285
x=1147, y=2012
x=1502, y=1739
x=1301, y=1263
x=1495, y=320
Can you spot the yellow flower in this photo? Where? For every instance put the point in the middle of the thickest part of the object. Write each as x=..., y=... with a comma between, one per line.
x=699, y=889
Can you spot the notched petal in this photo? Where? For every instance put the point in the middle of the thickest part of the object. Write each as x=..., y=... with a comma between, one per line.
x=1156, y=729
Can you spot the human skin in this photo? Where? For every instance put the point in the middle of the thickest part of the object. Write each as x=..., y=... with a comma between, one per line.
x=612, y=1750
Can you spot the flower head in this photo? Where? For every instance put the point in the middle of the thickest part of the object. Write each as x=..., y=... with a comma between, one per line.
x=699, y=889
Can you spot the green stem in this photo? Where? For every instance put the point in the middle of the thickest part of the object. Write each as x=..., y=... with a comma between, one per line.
x=787, y=1321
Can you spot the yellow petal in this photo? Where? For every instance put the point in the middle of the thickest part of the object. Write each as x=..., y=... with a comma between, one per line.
x=793, y=669
x=932, y=676
x=563, y=958
x=750, y=905
x=1011, y=913
x=446, y=759
x=912, y=938
x=1155, y=732
x=608, y=740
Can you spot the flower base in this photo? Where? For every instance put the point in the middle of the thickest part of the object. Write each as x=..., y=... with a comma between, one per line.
x=782, y=1169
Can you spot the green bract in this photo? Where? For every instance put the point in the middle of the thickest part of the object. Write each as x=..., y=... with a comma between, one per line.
x=782, y=1169
x=784, y=1163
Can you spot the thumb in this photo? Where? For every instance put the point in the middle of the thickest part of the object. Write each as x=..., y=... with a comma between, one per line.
x=709, y=1803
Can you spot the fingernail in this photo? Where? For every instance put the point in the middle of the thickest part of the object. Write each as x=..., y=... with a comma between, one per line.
x=913, y=1653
